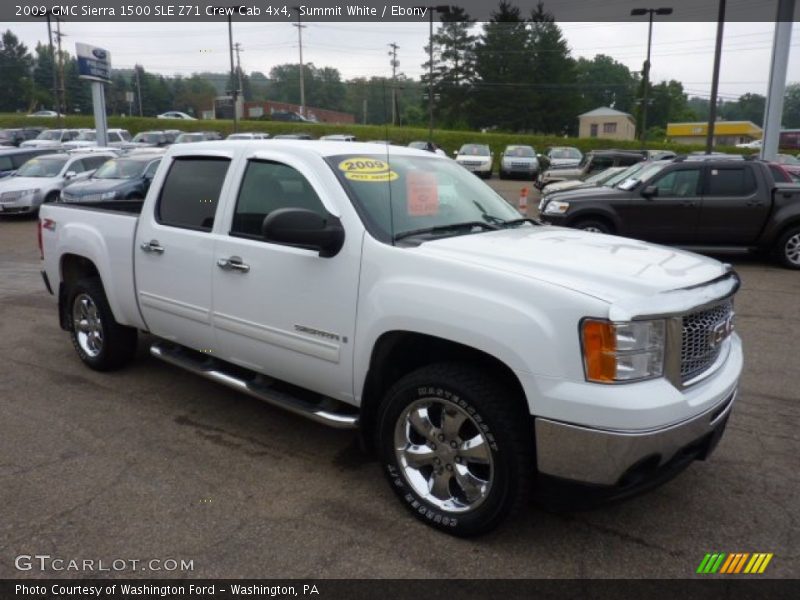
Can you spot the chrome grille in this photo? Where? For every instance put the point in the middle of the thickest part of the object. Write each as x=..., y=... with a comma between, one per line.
x=702, y=341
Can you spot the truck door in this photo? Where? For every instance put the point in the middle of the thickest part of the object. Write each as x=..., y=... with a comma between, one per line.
x=281, y=310
x=174, y=251
x=734, y=208
x=670, y=215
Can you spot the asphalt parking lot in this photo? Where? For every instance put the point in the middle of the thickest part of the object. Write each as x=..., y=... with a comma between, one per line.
x=154, y=463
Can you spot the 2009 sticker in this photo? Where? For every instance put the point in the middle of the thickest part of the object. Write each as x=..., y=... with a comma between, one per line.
x=362, y=168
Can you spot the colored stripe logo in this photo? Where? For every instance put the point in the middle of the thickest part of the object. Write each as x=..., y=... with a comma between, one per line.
x=734, y=563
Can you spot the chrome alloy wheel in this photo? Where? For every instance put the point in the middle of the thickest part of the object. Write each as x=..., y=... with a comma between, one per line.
x=792, y=249
x=87, y=324
x=443, y=455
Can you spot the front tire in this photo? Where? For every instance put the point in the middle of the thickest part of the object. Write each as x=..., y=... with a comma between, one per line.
x=592, y=225
x=101, y=343
x=456, y=446
x=787, y=249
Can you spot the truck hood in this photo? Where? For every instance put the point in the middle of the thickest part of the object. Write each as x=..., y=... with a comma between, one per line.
x=613, y=269
x=40, y=144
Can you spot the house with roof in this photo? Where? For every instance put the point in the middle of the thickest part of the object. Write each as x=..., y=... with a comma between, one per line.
x=607, y=123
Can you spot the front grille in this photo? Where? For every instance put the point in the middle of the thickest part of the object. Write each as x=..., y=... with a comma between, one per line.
x=703, y=335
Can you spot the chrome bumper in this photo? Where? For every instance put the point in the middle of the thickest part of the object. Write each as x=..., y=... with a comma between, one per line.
x=606, y=457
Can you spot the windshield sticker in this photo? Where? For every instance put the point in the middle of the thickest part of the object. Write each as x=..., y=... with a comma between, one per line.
x=422, y=194
x=360, y=168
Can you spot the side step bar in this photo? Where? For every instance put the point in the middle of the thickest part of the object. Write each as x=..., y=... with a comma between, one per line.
x=256, y=385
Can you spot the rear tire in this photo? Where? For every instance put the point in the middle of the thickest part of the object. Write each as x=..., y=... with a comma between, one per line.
x=101, y=343
x=457, y=447
x=787, y=248
x=592, y=225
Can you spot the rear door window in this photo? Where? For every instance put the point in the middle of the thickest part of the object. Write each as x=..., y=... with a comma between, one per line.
x=731, y=181
x=191, y=192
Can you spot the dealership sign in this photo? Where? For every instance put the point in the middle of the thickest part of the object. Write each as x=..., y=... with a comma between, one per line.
x=93, y=63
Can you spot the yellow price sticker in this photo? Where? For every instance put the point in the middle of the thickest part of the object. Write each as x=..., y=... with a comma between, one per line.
x=362, y=168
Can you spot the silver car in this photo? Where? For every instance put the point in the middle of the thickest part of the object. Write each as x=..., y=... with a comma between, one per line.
x=41, y=179
x=519, y=160
x=52, y=138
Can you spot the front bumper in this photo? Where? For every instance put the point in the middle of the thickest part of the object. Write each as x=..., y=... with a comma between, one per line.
x=622, y=458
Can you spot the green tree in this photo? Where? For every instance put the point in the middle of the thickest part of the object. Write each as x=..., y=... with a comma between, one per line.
x=453, y=67
x=668, y=104
x=503, y=65
x=602, y=81
x=791, y=106
x=15, y=72
x=555, y=102
x=43, y=78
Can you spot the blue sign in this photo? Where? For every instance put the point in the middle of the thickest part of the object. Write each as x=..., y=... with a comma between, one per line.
x=93, y=63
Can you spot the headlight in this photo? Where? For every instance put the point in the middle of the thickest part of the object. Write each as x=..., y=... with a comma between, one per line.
x=622, y=352
x=108, y=195
x=555, y=207
x=29, y=192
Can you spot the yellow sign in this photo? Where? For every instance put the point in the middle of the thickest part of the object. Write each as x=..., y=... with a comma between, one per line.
x=362, y=168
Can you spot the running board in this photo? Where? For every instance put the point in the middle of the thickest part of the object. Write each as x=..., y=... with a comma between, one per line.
x=256, y=385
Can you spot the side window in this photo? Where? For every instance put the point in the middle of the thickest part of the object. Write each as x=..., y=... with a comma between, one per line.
x=681, y=183
x=268, y=186
x=191, y=191
x=731, y=181
x=113, y=136
x=151, y=169
x=600, y=163
x=92, y=162
x=77, y=166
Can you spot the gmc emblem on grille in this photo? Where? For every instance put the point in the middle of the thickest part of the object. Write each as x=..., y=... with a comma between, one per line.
x=720, y=332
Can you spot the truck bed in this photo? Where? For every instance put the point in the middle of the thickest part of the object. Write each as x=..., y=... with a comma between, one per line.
x=133, y=207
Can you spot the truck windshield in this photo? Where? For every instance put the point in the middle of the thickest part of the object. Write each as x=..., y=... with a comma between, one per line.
x=474, y=150
x=120, y=169
x=410, y=193
x=42, y=167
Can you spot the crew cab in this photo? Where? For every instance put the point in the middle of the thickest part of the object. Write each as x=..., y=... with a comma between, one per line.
x=702, y=204
x=478, y=353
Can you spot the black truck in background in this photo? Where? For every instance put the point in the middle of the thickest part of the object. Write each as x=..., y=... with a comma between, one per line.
x=709, y=204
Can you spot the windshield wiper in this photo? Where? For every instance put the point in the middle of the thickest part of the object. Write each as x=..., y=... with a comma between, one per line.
x=520, y=221
x=438, y=228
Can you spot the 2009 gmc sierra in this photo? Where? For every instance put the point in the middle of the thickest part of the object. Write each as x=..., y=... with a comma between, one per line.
x=392, y=291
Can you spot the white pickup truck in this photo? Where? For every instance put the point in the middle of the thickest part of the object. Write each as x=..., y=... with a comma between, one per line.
x=389, y=290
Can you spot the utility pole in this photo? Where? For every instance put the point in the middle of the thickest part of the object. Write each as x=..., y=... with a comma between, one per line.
x=300, y=28
x=364, y=110
x=395, y=63
x=138, y=89
x=712, y=106
x=62, y=99
x=238, y=48
x=53, y=57
x=646, y=71
x=234, y=91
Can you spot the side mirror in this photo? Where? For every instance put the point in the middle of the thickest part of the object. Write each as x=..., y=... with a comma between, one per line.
x=304, y=228
x=70, y=174
x=650, y=191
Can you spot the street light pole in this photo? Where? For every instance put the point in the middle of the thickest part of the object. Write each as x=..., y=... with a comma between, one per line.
x=646, y=71
x=442, y=9
x=300, y=28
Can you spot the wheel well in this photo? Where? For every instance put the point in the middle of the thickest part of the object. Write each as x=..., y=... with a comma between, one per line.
x=73, y=268
x=398, y=353
x=594, y=217
x=793, y=223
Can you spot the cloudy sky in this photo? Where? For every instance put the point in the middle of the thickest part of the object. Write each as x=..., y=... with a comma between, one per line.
x=682, y=51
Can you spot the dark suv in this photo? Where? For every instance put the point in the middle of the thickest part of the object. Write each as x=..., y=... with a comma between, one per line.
x=712, y=203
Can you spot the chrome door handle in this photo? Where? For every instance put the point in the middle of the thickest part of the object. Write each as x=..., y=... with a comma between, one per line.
x=152, y=247
x=234, y=263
